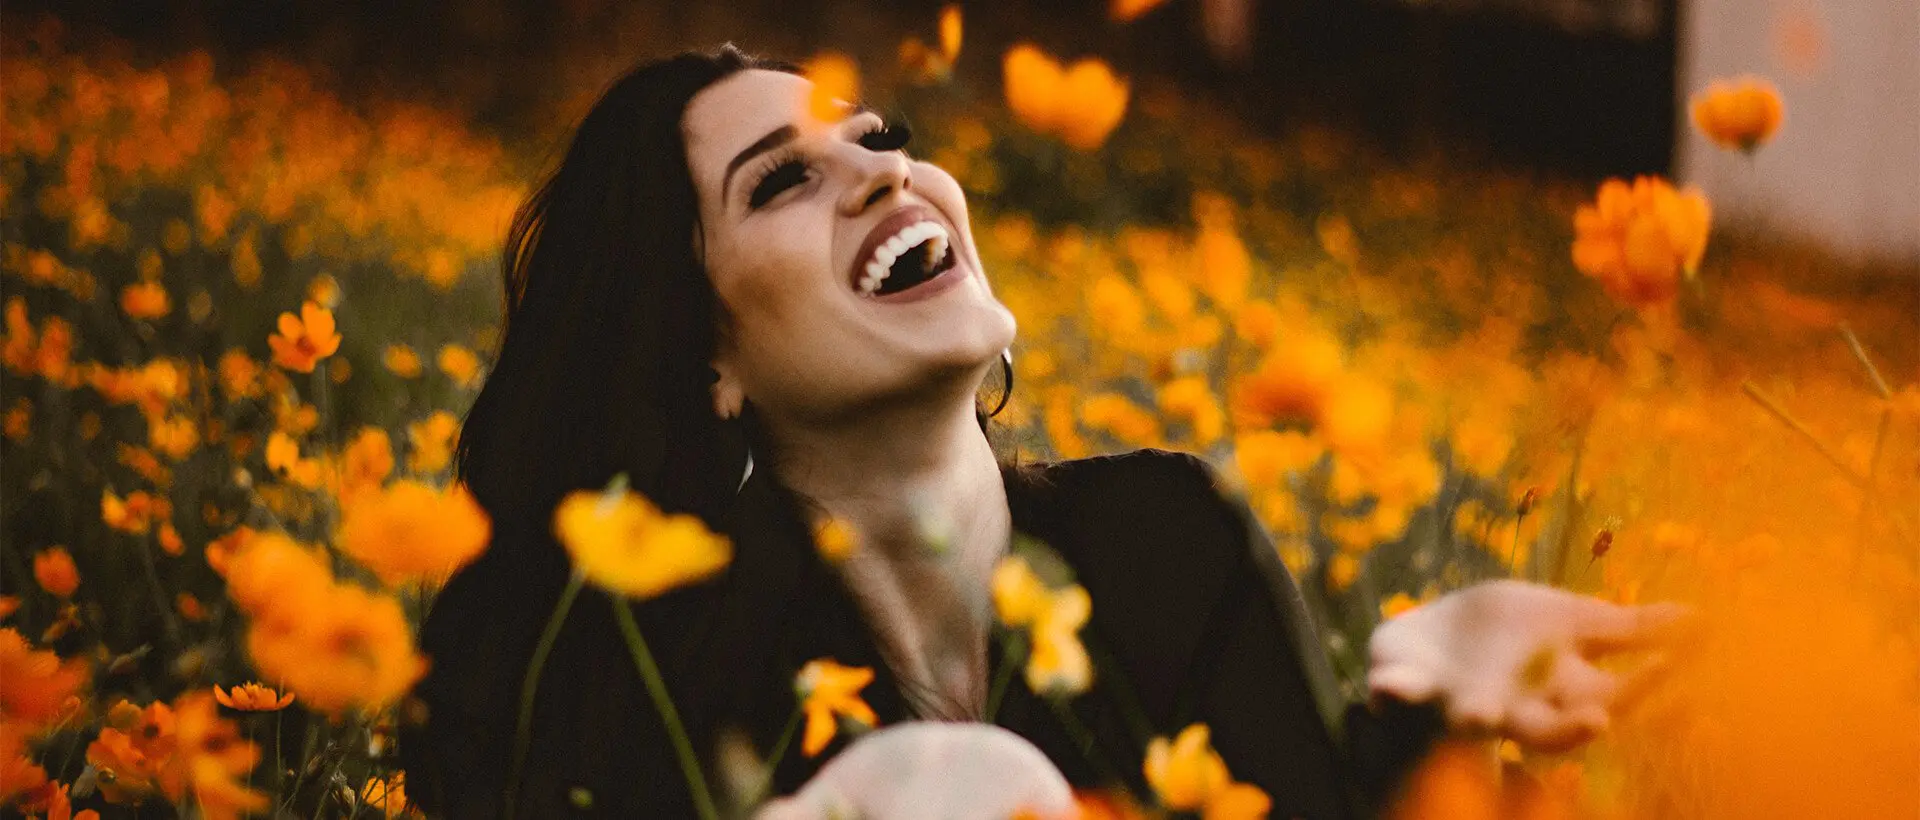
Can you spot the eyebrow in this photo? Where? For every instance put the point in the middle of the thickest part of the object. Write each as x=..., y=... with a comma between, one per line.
x=774, y=139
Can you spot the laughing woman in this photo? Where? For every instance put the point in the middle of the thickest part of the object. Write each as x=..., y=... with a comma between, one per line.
x=715, y=282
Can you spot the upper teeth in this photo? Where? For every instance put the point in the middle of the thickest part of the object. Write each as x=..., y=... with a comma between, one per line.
x=884, y=256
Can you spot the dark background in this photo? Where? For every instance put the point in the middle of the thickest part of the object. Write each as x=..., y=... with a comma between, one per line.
x=1489, y=85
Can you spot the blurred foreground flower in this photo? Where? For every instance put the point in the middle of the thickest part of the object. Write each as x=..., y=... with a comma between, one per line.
x=1741, y=114
x=836, y=81
x=1057, y=663
x=302, y=341
x=34, y=684
x=1639, y=239
x=1080, y=104
x=1187, y=775
x=413, y=532
x=828, y=692
x=620, y=541
x=53, y=569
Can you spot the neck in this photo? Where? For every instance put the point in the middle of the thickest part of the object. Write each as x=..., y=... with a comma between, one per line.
x=898, y=476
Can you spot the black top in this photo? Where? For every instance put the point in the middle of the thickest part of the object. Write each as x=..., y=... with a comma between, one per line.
x=1194, y=619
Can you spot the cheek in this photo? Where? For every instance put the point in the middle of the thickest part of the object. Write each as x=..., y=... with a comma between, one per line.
x=772, y=281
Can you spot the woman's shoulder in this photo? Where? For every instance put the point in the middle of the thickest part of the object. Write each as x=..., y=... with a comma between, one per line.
x=1150, y=504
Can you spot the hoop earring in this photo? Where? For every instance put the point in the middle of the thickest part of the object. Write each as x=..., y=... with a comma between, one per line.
x=1006, y=366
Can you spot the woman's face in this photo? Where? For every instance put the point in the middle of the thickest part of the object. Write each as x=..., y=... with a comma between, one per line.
x=848, y=270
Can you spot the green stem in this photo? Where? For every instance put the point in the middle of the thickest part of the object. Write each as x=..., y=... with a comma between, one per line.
x=773, y=761
x=1083, y=738
x=1013, y=645
x=657, y=687
x=523, y=726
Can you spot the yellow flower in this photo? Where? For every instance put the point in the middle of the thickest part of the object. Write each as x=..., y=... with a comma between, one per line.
x=283, y=458
x=339, y=647
x=302, y=341
x=1186, y=772
x=1189, y=399
x=1123, y=11
x=1741, y=113
x=828, y=692
x=413, y=532
x=950, y=29
x=239, y=374
x=459, y=364
x=253, y=697
x=1639, y=239
x=145, y=300
x=1018, y=594
x=1058, y=664
x=621, y=542
x=388, y=796
x=1265, y=457
x=402, y=361
x=1291, y=383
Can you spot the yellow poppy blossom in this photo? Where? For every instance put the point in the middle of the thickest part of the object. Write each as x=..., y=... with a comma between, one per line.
x=1742, y=113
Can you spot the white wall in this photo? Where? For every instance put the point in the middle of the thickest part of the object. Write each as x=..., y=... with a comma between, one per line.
x=1845, y=165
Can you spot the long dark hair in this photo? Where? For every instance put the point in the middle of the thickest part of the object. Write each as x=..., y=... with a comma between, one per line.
x=610, y=319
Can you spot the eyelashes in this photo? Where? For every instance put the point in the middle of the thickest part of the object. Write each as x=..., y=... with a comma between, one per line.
x=787, y=168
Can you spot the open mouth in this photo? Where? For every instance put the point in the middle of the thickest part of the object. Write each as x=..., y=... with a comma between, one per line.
x=912, y=255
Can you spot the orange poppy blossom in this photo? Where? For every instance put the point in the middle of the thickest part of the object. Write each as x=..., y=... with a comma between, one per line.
x=19, y=775
x=132, y=748
x=283, y=458
x=302, y=341
x=622, y=543
x=412, y=531
x=828, y=692
x=339, y=647
x=211, y=761
x=836, y=81
x=1639, y=239
x=367, y=462
x=252, y=697
x=1188, y=775
x=1742, y=113
x=54, y=570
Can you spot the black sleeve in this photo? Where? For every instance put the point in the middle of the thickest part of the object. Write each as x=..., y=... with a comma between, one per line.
x=1374, y=746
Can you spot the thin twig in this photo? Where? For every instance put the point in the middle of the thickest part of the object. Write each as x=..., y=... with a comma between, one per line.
x=1779, y=412
x=1860, y=352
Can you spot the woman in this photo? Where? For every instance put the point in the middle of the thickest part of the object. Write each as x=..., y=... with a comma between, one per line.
x=716, y=282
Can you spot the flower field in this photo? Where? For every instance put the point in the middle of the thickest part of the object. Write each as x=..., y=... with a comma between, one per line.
x=244, y=314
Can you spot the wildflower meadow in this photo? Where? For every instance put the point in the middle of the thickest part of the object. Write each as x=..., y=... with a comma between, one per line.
x=245, y=312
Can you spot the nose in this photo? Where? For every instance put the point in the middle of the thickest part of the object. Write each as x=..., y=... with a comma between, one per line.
x=877, y=174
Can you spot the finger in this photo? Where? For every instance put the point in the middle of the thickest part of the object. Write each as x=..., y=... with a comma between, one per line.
x=1482, y=703
x=1576, y=683
x=1602, y=627
x=1539, y=725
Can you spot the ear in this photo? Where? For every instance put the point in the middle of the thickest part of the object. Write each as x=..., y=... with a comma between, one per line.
x=729, y=395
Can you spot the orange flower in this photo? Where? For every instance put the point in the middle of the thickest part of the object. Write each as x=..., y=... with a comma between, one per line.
x=835, y=539
x=268, y=569
x=145, y=300
x=622, y=543
x=239, y=374
x=368, y=460
x=402, y=361
x=1058, y=664
x=1123, y=11
x=283, y=458
x=1639, y=239
x=1456, y=782
x=132, y=751
x=459, y=364
x=19, y=775
x=55, y=571
x=827, y=692
x=342, y=648
x=302, y=341
x=388, y=796
x=1080, y=104
x=1292, y=382
x=34, y=684
x=432, y=440
x=1741, y=113
x=1188, y=775
x=414, y=532
x=253, y=697
x=211, y=761
x=836, y=81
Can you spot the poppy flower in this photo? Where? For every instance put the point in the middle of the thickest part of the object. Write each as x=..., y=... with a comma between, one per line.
x=1080, y=104
x=53, y=568
x=1188, y=775
x=1639, y=239
x=145, y=300
x=412, y=531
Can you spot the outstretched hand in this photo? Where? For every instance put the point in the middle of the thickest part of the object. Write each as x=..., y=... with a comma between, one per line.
x=1517, y=659
x=932, y=770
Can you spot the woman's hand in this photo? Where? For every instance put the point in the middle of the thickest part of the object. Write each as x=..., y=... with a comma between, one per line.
x=932, y=770
x=1515, y=659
